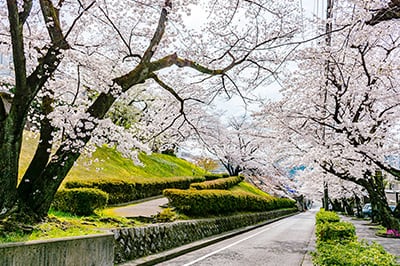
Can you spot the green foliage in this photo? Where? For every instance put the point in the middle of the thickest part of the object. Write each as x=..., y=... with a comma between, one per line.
x=337, y=244
x=166, y=215
x=326, y=217
x=249, y=188
x=163, y=165
x=80, y=201
x=15, y=236
x=222, y=183
x=352, y=253
x=123, y=114
x=47, y=231
x=64, y=224
x=206, y=202
x=335, y=231
x=215, y=176
x=125, y=190
x=107, y=162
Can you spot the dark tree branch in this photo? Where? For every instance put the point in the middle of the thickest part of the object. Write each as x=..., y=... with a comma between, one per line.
x=392, y=11
x=158, y=34
x=26, y=10
x=170, y=90
x=50, y=15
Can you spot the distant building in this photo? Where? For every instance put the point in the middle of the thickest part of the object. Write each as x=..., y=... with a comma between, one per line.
x=5, y=65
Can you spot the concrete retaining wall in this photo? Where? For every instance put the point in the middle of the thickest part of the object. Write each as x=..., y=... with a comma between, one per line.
x=132, y=243
x=91, y=250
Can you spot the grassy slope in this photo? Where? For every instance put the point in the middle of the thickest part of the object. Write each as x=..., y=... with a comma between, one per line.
x=108, y=163
x=247, y=187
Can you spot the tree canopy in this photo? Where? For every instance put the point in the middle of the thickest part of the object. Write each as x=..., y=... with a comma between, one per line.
x=72, y=60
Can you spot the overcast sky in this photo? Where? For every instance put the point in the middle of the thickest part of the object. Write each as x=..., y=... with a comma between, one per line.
x=235, y=106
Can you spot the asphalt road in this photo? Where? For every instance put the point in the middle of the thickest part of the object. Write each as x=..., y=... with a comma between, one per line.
x=282, y=243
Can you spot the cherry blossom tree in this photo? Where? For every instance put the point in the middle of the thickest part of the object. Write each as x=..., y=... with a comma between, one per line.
x=340, y=108
x=73, y=59
x=235, y=145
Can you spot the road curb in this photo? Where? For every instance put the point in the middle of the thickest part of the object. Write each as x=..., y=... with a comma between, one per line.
x=307, y=259
x=176, y=252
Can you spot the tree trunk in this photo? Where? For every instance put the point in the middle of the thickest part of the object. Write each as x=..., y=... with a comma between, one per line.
x=337, y=205
x=358, y=205
x=42, y=154
x=325, y=200
x=46, y=185
x=348, y=208
x=381, y=211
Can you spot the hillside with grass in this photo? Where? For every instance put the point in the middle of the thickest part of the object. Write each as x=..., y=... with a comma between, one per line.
x=108, y=163
x=106, y=177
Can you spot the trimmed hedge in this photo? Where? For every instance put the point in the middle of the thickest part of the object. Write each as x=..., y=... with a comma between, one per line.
x=204, y=202
x=326, y=217
x=215, y=176
x=336, y=231
x=353, y=253
x=337, y=244
x=80, y=201
x=222, y=183
x=121, y=191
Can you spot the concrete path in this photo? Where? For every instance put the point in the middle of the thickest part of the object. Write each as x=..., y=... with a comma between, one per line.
x=284, y=242
x=364, y=230
x=145, y=209
x=177, y=256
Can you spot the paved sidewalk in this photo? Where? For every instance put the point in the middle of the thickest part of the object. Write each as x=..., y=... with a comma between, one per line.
x=307, y=260
x=144, y=209
x=365, y=230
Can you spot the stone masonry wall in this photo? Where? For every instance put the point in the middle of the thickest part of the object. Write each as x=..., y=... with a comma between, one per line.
x=131, y=243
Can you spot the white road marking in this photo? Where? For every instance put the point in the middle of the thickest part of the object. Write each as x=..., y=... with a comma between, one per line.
x=231, y=245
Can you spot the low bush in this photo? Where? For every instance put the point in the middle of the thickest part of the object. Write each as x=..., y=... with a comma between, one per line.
x=326, y=216
x=80, y=201
x=352, y=253
x=222, y=183
x=124, y=190
x=336, y=231
x=206, y=202
x=166, y=215
x=215, y=176
x=337, y=244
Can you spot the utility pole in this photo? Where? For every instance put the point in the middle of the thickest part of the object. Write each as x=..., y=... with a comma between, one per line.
x=328, y=43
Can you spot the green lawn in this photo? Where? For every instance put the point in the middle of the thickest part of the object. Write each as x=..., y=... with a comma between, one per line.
x=108, y=163
x=249, y=188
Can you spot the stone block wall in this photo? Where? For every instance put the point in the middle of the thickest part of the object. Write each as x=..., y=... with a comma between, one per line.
x=132, y=243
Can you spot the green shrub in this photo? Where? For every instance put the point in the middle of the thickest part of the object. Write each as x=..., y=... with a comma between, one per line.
x=205, y=202
x=80, y=201
x=123, y=190
x=336, y=231
x=222, y=183
x=337, y=244
x=352, y=253
x=326, y=216
x=166, y=215
x=215, y=176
